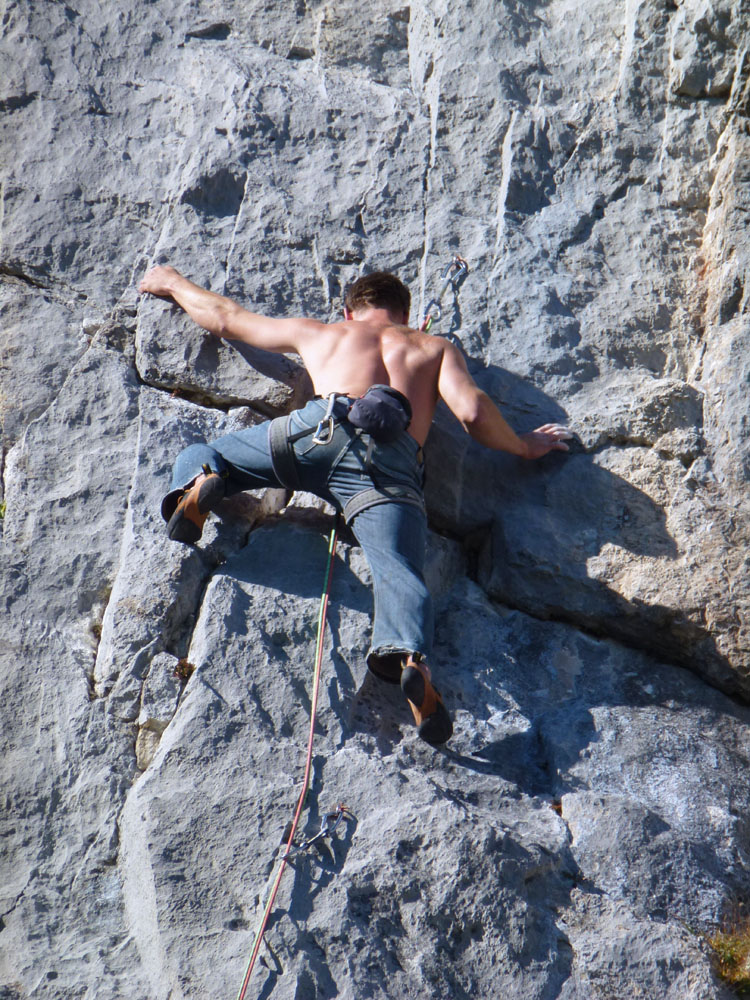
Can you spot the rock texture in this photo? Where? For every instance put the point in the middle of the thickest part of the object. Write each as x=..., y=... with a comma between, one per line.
x=589, y=820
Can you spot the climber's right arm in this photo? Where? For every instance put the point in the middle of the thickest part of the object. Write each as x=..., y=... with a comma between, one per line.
x=484, y=421
x=223, y=317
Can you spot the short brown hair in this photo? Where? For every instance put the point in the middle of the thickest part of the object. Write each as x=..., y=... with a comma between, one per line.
x=379, y=289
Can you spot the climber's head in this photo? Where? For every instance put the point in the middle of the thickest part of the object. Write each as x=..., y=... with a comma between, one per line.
x=379, y=290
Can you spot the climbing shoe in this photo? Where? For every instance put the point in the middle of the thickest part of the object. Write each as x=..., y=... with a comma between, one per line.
x=186, y=524
x=430, y=714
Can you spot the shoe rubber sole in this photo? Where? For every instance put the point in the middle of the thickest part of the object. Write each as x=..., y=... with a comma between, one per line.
x=186, y=524
x=430, y=714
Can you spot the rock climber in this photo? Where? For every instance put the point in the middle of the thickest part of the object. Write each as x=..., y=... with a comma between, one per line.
x=357, y=444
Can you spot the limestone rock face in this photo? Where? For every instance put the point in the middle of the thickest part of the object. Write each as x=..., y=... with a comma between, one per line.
x=588, y=821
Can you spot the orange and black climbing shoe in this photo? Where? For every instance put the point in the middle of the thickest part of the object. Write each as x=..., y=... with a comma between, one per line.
x=430, y=714
x=186, y=524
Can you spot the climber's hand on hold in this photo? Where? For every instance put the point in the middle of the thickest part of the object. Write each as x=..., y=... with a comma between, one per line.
x=548, y=437
x=159, y=280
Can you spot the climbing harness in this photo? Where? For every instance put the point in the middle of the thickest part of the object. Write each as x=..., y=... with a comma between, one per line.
x=453, y=275
x=381, y=414
x=342, y=810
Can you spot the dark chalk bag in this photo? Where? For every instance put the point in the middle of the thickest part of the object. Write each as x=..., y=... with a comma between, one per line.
x=383, y=412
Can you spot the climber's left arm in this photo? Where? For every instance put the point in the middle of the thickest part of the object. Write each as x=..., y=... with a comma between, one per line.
x=223, y=317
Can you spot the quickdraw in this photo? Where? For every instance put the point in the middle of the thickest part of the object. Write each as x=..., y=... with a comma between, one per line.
x=327, y=828
x=308, y=766
x=452, y=276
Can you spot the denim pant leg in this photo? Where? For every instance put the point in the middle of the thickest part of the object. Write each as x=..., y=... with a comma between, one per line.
x=243, y=458
x=392, y=534
x=393, y=537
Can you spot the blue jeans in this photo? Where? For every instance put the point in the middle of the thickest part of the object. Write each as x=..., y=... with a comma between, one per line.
x=392, y=532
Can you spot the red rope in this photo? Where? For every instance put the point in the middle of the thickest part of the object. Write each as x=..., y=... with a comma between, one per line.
x=308, y=764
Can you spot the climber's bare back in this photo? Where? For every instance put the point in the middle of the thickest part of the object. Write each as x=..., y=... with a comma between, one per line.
x=369, y=347
x=351, y=356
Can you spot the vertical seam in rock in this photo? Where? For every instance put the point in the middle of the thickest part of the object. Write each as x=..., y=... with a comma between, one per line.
x=628, y=44
x=430, y=97
x=321, y=273
x=317, y=61
x=122, y=554
x=2, y=212
x=233, y=238
x=506, y=162
x=738, y=95
x=140, y=899
x=185, y=640
x=433, y=103
x=3, y=457
x=425, y=235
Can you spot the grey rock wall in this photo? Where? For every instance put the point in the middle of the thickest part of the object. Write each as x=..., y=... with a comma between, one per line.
x=589, y=820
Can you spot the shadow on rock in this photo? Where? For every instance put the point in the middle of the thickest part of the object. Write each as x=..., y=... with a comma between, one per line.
x=551, y=537
x=381, y=711
x=318, y=864
x=642, y=764
x=278, y=367
x=290, y=556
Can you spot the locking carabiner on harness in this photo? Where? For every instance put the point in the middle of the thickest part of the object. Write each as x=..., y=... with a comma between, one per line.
x=453, y=275
x=327, y=424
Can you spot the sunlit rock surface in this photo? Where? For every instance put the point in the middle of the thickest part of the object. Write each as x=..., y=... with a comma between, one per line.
x=589, y=820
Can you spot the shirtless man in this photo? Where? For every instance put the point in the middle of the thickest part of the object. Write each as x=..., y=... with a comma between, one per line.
x=374, y=478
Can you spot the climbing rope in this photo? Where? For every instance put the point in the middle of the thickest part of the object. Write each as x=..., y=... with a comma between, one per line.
x=452, y=276
x=308, y=766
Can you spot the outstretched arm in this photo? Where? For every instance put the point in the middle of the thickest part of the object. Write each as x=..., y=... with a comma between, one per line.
x=482, y=419
x=223, y=317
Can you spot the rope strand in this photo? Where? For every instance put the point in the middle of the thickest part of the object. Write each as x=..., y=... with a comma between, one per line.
x=308, y=763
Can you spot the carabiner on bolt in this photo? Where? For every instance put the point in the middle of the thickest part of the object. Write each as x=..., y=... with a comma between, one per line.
x=327, y=827
x=453, y=275
x=456, y=271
